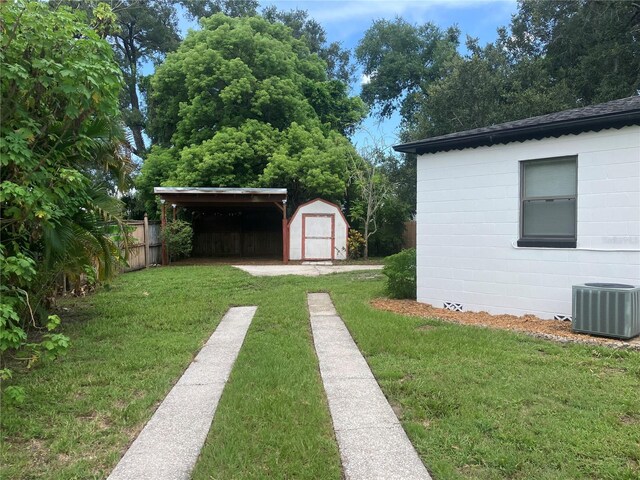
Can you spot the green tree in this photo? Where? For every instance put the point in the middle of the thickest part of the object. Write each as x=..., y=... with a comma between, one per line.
x=592, y=46
x=309, y=163
x=158, y=166
x=146, y=30
x=232, y=8
x=401, y=60
x=338, y=59
x=59, y=127
x=241, y=103
x=484, y=88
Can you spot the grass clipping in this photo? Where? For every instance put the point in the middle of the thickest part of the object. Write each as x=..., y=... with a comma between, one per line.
x=530, y=324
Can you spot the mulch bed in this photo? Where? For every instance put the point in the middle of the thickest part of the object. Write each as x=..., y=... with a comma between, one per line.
x=530, y=324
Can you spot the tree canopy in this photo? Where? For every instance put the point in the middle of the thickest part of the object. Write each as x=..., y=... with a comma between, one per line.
x=401, y=60
x=554, y=55
x=242, y=102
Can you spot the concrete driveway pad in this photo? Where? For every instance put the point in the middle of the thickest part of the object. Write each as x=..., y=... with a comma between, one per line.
x=304, y=270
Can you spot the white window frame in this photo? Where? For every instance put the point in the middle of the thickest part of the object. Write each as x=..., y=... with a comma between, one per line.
x=547, y=241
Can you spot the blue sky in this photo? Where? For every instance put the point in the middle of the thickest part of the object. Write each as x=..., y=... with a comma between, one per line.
x=346, y=21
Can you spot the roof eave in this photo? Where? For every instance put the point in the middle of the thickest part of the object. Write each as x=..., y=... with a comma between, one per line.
x=529, y=132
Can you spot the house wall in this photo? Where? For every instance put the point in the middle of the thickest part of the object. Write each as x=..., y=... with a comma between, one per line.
x=295, y=229
x=468, y=225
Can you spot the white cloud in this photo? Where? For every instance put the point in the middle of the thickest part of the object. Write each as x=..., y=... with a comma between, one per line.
x=350, y=10
x=346, y=20
x=365, y=79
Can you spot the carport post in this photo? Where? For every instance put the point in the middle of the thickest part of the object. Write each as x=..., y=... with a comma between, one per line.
x=165, y=257
x=285, y=233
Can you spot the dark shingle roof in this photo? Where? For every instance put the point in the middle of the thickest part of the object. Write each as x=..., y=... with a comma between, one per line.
x=614, y=114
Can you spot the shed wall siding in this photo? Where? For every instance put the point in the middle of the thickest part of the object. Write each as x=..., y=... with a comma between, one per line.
x=295, y=230
x=468, y=225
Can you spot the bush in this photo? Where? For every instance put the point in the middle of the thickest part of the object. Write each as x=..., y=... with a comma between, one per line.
x=400, y=270
x=355, y=244
x=178, y=236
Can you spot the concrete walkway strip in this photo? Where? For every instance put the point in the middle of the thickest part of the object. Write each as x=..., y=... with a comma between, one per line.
x=371, y=440
x=169, y=445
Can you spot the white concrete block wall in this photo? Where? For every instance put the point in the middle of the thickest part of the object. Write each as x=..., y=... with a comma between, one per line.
x=468, y=224
x=318, y=206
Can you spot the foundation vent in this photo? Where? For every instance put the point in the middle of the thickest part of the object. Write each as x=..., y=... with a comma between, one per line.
x=454, y=307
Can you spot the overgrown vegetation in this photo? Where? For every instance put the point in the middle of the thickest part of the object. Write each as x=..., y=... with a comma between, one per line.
x=476, y=403
x=400, y=270
x=61, y=150
x=178, y=237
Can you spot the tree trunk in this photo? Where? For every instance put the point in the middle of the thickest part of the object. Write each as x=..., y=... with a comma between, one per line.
x=366, y=241
x=136, y=131
x=136, y=121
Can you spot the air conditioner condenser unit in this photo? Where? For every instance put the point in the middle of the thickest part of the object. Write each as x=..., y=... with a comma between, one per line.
x=606, y=309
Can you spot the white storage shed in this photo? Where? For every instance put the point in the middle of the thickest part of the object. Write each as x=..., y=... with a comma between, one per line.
x=318, y=231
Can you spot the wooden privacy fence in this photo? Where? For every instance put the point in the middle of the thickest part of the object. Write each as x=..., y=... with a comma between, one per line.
x=409, y=236
x=146, y=248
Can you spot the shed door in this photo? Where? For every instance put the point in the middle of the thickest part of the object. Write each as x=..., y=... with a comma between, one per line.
x=318, y=236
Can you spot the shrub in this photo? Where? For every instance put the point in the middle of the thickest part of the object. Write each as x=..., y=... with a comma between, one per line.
x=400, y=270
x=178, y=236
x=355, y=244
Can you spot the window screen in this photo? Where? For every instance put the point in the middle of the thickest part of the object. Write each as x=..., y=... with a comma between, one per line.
x=548, y=202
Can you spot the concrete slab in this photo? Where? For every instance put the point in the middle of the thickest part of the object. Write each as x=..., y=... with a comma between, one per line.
x=360, y=395
x=324, y=319
x=320, y=304
x=169, y=445
x=379, y=454
x=343, y=367
x=372, y=443
x=304, y=270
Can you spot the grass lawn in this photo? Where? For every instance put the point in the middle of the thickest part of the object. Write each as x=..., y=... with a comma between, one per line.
x=476, y=403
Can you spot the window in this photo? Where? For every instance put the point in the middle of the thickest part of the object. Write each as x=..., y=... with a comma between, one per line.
x=548, y=191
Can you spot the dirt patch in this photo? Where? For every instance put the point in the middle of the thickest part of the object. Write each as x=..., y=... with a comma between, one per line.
x=425, y=328
x=530, y=324
x=63, y=458
x=629, y=419
x=397, y=409
x=39, y=452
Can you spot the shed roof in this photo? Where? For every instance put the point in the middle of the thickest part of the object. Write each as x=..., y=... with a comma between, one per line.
x=194, y=196
x=614, y=114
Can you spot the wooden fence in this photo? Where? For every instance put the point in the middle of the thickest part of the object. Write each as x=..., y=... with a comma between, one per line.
x=146, y=248
x=409, y=236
